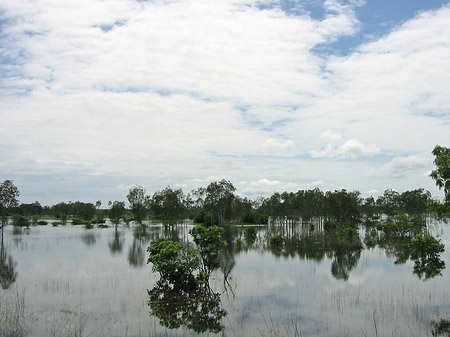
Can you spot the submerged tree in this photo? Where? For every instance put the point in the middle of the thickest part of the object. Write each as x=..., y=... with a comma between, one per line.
x=8, y=199
x=441, y=174
x=426, y=251
x=138, y=203
x=168, y=205
x=218, y=199
x=116, y=212
x=209, y=243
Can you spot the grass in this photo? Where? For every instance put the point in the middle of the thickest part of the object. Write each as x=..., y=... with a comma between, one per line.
x=12, y=315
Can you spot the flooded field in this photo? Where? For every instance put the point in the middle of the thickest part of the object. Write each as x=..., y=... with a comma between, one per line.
x=73, y=281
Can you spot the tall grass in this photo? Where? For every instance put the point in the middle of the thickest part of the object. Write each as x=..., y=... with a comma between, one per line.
x=12, y=314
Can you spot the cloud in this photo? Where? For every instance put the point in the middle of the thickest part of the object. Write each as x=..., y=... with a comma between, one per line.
x=354, y=148
x=401, y=167
x=278, y=146
x=159, y=92
x=265, y=183
x=351, y=148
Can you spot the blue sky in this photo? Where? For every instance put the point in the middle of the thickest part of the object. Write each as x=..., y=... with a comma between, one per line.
x=97, y=96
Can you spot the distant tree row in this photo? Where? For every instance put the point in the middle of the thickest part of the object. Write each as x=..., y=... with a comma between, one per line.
x=217, y=203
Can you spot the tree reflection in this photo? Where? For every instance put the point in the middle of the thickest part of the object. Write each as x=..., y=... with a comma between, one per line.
x=136, y=254
x=89, y=238
x=425, y=253
x=198, y=309
x=344, y=262
x=441, y=328
x=8, y=273
x=116, y=245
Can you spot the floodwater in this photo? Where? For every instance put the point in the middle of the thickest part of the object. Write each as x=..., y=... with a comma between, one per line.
x=73, y=281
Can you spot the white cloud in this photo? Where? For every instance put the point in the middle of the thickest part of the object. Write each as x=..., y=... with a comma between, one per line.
x=354, y=148
x=401, y=167
x=351, y=148
x=330, y=136
x=169, y=92
x=265, y=183
x=278, y=146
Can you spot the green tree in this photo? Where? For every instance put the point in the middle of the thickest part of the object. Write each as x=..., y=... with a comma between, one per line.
x=8, y=199
x=209, y=243
x=138, y=203
x=174, y=262
x=116, y=212
x=218, y=199
x=426, y=254
x=389, y=202
x=414, y=202
x=343, y=206
x=441, y=174
x=168, y=205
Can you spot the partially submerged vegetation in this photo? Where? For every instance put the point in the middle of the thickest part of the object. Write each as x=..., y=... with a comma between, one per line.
x=310, y=224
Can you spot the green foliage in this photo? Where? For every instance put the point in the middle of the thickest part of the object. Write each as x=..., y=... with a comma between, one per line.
x=78, y=221
x=426, y=246
x=116, y=211
x=276, y=242
x=250, y=234
x=168, y=205
x=8, y=199
x=174, y=262
x=441, y=174
x=138, y=203
x=218, y=199
x=42, y=223
x=343, y=206
x=208, y=240
x=21, y=221
x=425, y=253
x=439, y=209
x=402, y=225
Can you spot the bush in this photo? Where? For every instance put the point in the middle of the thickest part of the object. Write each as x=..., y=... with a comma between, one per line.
x=250, y=234
x=174, y=262
x=77, y=222
x=21, y=221
x=277, y=242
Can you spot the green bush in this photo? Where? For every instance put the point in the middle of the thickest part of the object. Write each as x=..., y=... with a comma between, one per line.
x=250, y=234
x=21, y=221
x=277, y=242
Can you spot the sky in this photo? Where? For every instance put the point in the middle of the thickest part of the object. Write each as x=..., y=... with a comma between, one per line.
x=97, y=96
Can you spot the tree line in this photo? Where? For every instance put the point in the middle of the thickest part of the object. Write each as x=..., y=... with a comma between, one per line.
x=217, y=203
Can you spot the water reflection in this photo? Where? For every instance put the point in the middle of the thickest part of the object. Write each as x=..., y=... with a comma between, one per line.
x=136, y=254
x=8, y=273
x=89, y=238
x=116, y=244
x=441, y=328
x=199, y=310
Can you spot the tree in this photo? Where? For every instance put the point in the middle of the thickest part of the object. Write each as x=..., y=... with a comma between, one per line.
x=415, y=201
x=116, y=212
x=441, y=174
x=389, y=202
x=218, y=199
x=168, y=205
x=343, y=206
x=209, y=243
x=8, y=199
x=138, y=203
